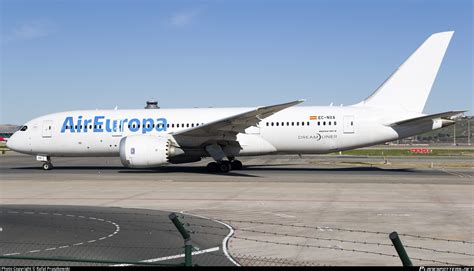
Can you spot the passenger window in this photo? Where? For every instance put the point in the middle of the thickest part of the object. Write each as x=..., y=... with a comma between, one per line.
x=297, y=123
x=302, y=123
x=292, y=124
x=272, y=123
x=277, y=123
x=307, y=123
x=329, y=123
x=335, y=123
x=324, y=123
x=187, y=125
x=319, y=123
x=352, y=123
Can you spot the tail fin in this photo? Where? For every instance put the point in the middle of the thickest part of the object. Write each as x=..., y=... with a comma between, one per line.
x=409, y=86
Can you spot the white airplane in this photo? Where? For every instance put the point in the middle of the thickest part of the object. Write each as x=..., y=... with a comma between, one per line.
x=146, y=138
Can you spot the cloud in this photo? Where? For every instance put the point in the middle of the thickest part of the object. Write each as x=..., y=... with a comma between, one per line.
x=31, y=31
x=184, y=18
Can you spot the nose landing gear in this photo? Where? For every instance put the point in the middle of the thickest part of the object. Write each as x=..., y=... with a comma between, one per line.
x=47, y=165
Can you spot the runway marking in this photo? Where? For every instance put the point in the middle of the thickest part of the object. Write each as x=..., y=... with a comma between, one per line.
x=225, y=242
x=117, y=229
x=172, y=257
x=455, y=173
x=11, y=254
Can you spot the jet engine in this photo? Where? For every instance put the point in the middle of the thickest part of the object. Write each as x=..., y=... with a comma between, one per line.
x=143, y=151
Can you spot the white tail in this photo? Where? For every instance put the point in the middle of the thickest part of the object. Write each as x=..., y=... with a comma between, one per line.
x=409, y=86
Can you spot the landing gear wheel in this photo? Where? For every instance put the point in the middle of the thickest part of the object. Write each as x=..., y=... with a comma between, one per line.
x=224, y=167
x=236, y=164
x=212, y=167
x=47, y=166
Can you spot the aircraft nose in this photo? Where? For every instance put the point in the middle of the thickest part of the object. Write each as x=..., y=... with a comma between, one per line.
x=11, y=143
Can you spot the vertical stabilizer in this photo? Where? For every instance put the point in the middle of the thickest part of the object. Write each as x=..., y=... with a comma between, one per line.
x=409, y=86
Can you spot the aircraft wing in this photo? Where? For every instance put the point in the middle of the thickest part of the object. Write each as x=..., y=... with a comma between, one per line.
x=416, y=120
x=235, y=124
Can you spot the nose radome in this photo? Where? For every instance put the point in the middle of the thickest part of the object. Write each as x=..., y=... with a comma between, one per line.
x=11, y=143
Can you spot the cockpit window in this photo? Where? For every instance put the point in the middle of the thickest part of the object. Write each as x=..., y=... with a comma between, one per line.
x=24, y=128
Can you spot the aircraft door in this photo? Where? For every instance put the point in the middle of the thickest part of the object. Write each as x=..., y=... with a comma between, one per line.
x=349, y=124
x=47, y=128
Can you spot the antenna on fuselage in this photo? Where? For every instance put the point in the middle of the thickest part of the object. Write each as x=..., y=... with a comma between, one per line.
x=152, y=104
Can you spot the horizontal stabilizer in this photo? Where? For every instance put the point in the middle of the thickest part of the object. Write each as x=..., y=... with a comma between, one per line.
x=413, y=121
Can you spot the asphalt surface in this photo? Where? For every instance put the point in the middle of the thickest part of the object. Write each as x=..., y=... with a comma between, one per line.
x=104, y=234
x=267, y=203
x=313, y=169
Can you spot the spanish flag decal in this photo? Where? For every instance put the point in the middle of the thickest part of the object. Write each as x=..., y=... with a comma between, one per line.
x=313, y=118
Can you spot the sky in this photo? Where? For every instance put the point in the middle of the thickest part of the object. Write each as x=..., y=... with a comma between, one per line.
x=86, y=54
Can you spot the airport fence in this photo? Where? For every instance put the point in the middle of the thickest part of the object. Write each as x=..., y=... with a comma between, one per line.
x=253, y=243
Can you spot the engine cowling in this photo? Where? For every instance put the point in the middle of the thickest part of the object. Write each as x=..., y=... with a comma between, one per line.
x=142, y=151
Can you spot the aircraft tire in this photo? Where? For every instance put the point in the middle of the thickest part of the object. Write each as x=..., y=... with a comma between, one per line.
x=236, y=164
x=47, y=166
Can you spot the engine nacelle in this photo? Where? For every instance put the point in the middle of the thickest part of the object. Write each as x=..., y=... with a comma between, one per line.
x=142, y=151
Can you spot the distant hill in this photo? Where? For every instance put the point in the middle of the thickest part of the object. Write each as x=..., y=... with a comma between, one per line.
x=446, y=135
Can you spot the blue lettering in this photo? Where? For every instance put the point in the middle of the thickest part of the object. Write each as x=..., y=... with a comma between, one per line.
x=147, y=125
x=122, y=124
x=107, y=125
x=98, y=123
x=133, y=125
x=86, y=123
x=79, y=123
x=115, y=126
x=69, y=123
x=161, y=124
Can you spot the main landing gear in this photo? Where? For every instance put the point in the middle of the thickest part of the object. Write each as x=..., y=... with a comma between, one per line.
x=221, y=165
x=47, y=165
x=224, y=166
